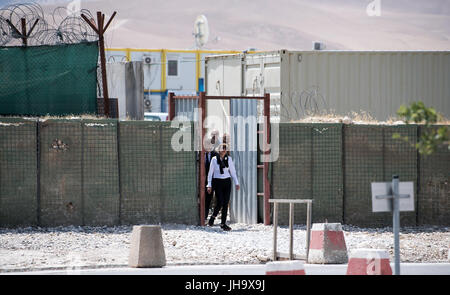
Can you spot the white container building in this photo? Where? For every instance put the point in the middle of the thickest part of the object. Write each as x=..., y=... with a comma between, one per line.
x=166, y=70
x=339, y=82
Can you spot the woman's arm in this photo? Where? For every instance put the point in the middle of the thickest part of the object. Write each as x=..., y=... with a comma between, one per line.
x=211, y=170
x=232, y=170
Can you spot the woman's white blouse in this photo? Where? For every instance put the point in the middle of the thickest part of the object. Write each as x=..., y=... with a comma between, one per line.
x=214, y=171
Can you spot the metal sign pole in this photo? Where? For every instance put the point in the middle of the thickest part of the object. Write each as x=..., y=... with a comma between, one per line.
x=396, y=222
x=386, y=197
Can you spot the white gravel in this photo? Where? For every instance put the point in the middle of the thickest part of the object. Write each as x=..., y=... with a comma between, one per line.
x=85, y=247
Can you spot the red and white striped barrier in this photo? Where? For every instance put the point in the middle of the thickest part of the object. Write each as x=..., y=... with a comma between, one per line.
x=285, y=268
x=369, y=262
x=327, y=244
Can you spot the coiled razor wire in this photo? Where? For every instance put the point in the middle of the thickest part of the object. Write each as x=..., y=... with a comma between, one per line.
x=65, y=27
x=305, y=103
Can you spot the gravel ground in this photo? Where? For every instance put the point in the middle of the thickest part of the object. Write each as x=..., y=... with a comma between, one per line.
x=85, y=247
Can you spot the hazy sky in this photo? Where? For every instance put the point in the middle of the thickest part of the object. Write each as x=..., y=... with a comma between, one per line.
x=275, y=24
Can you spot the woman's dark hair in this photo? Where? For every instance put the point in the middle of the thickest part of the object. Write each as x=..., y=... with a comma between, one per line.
x=223, y=147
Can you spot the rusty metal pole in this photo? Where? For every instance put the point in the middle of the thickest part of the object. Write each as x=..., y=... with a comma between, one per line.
x=100, y=30
x=266, y=164
x=171, y=106
x=101, y=42
x=202, y=106
x=24, y=31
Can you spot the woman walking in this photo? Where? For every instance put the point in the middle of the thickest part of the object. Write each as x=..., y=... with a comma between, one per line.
x=221, y=171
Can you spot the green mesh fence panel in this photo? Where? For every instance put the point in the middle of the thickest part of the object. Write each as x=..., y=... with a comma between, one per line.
x=140, y=172
x=179, y=181
x=292, y=172
x=363, y=149
x=157, y=183
x=434, y=183
x=55, y=80
x=61, y=201
x=100, y=172
x=372, y=155
x=400, y=158
x=327, y=173
x=78, y=168
x=309, y=167
x=18, y=172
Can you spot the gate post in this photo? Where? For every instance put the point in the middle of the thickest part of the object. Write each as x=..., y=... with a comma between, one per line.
x=202, y=106
x=171, y=106
x=266, y=164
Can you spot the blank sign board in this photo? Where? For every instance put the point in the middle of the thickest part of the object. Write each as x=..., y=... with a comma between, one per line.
x=380, y=203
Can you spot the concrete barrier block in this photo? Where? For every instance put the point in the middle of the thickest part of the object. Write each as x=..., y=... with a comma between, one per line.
x=147, y=248
x=369, y=262
x=327, y=244
x=285, y=268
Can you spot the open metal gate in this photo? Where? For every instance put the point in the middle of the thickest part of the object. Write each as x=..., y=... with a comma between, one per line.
x=244, y=135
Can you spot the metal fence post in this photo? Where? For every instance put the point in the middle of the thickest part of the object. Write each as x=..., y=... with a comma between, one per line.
x=266, y=183
x=291, y=231
x=118, y=171
x=308, y=228
x=291, y=255
x=38, y=160
x=275, y=225
x=202, y=119
x=83, y=211
x=396, y=222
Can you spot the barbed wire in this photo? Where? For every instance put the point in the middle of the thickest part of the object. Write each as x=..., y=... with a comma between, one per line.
x=62, y=26
x=305, y=103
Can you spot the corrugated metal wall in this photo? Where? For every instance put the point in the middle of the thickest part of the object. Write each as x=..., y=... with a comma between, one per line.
x=125, y=82
x=187, y=108
x=244, y=203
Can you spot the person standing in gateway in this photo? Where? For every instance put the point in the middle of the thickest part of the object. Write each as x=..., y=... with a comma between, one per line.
x=211, y=146
x=221, y=171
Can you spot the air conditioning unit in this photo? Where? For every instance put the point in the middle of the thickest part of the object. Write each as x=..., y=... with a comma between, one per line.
x=147, y=104
x=317, y=45
x=147, y=60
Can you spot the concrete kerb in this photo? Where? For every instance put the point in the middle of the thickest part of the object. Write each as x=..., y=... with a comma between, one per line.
x=285, y=268
x=232, y=269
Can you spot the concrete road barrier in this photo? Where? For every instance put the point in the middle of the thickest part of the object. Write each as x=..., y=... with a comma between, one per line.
x=147, y=249
x=369, y=262
x=327, y=244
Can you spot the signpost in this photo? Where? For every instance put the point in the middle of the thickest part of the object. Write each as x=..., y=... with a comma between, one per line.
x=393, y=197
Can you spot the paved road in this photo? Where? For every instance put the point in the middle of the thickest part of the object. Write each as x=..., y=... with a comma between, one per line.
x=310, y=269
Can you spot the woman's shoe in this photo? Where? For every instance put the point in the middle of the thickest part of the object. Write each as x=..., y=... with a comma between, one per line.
x=225, y=227
x=211, y=221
